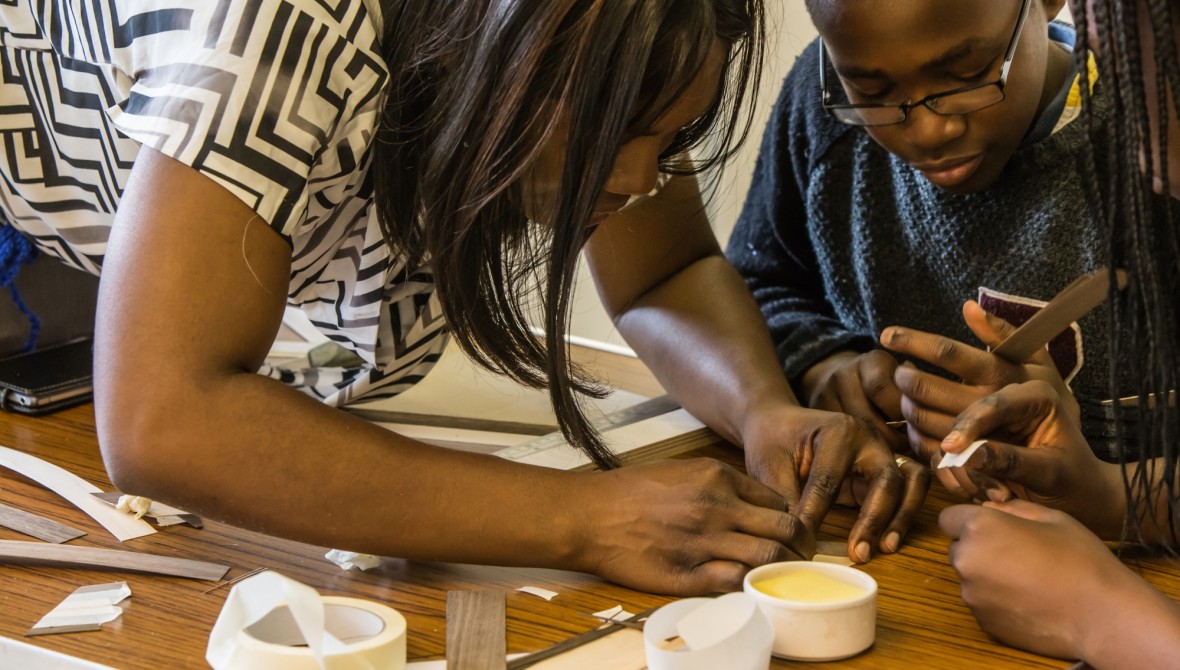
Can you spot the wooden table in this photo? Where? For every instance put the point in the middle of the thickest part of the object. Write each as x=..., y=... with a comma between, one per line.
x=922, y=622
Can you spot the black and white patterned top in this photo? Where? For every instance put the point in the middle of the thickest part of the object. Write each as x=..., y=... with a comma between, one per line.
x=276, y=100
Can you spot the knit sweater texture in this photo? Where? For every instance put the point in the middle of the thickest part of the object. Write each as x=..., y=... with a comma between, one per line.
x=839, y=239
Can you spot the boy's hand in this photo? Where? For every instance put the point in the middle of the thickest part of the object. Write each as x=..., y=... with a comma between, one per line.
x=860, y=385
x=816, y=458
x=930, y=403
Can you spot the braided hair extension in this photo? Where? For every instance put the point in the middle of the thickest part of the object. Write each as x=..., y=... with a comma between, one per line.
x=1142, y=238
x=16, y=250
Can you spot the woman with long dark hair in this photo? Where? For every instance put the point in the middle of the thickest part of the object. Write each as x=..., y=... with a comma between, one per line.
x=391, y=167
x=1040, y=578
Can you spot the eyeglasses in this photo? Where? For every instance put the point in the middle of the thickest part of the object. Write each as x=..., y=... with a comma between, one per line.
x=947, y=103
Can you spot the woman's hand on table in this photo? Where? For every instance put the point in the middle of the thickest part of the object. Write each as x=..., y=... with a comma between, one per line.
x=930, y=402
x=682, y=527
x=816, y=458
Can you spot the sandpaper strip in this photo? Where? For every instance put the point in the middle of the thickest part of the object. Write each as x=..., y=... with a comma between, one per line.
x=476, y=639
x=37, y=526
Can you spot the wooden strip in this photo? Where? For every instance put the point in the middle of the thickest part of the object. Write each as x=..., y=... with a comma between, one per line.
x=460, y=422
x=476, y=639
x=1071, y=304
x=76, y=490
x=12, y=551
x=37, y=526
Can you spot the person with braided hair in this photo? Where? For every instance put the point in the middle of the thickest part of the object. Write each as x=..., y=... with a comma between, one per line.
x=1034, y=569
x=915, y=197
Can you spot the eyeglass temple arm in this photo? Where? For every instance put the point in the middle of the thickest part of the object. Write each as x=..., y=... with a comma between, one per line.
x=1011, y=52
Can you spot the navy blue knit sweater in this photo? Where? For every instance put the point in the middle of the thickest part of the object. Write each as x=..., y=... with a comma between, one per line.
x=839, y=239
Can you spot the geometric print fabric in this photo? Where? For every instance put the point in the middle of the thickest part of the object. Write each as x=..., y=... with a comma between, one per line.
x=275, y=100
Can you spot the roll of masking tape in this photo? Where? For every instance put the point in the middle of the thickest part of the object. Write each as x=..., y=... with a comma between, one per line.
x=272, y=622
x=708, y=633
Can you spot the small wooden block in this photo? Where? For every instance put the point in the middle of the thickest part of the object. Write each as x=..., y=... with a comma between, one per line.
x=37, y=526
x=476, y=639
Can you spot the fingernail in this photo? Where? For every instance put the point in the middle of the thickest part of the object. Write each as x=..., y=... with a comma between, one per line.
x=863, y=552
x=998, y=495
x=952, y=438
x=891, y=542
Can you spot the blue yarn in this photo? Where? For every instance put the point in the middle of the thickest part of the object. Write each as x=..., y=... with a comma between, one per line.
x=16, y=250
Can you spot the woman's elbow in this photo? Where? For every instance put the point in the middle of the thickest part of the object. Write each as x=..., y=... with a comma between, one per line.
x=139, y=437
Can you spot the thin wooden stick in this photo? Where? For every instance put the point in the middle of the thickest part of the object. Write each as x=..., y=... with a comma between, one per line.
x=234, y=580
x=12, y=551
x=37, y=526
x=458, y=422
x=1071, y=304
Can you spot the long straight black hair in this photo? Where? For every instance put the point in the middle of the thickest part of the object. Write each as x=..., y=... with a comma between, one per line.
x=1141, y=237
x=477, y=88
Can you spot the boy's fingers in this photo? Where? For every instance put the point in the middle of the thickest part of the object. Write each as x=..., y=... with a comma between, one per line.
x=933, y=391
x=962, y=360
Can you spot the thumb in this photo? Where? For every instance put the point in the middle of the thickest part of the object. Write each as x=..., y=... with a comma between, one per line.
x=989, y=328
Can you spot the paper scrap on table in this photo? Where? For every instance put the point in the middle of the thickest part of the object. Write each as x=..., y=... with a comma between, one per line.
x=87, y=608
x=829, y=551
x=139, y=507
x=616, y=613
x=960, y=459
x=347, y=560
x=539, y=592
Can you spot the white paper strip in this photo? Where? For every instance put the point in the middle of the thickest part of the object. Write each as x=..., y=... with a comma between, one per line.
x=960, y=459
x=539, y=592
x=616, y=613
x=18, y=654
x=76, y=490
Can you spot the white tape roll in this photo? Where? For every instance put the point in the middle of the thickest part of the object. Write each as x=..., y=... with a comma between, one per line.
x=272, y=622
x=725, y=632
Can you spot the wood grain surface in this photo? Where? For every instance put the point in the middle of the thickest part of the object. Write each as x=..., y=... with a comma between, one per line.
x=922, y=622
x=39, y=527
x=475, y=630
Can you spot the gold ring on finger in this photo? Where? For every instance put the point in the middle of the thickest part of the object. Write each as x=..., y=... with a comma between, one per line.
x=902, y=460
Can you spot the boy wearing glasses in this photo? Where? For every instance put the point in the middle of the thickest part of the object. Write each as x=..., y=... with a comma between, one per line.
x=922, y=153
